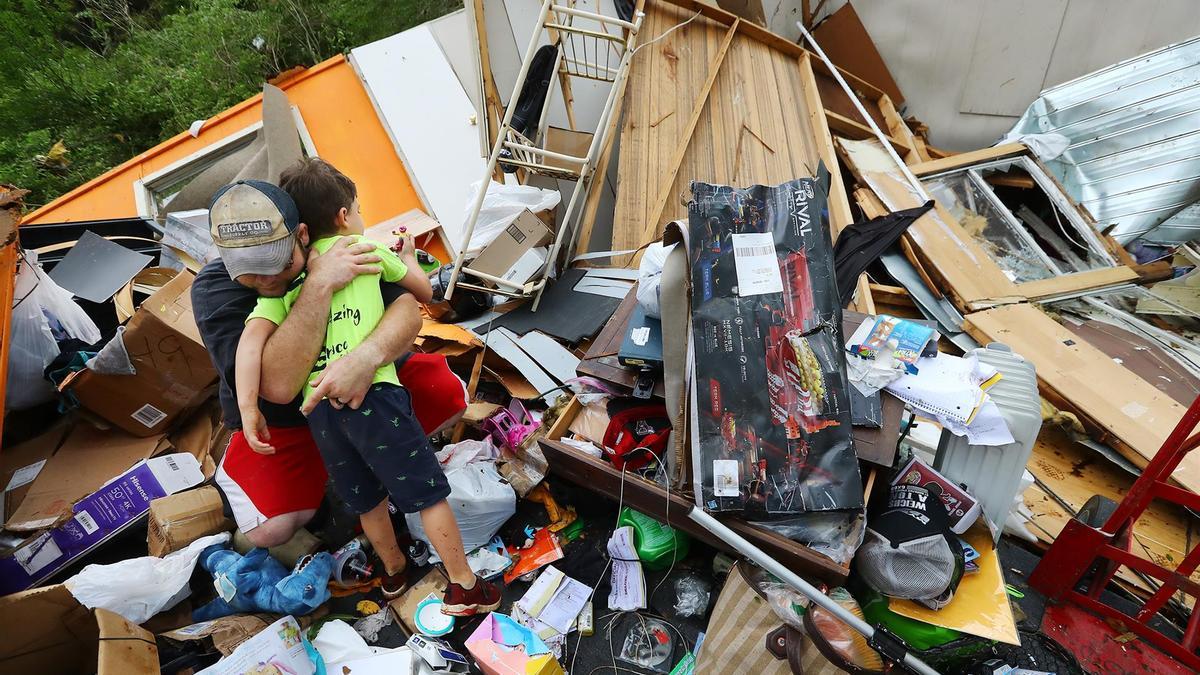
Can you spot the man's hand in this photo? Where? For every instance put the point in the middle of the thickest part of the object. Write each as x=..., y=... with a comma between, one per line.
x=345, y=381
x=338, y=266
x=254, y=428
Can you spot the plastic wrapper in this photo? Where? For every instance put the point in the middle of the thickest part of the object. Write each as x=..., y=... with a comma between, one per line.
x=466, y=452
x=481, y=501
x=501, y=206
x=788, y=604
x=846, y=642
x=590, y=390
x=139, y=588
x=649, y=275
x=42, y=311
x=771, y=421
x=836, y=534
x=692, y=595
x=369, y=626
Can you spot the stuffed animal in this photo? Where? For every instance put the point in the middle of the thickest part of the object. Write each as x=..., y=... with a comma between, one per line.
x=256, y=582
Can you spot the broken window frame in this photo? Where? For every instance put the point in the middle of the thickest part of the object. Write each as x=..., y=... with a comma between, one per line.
x=147, y=189
x=1098, y=252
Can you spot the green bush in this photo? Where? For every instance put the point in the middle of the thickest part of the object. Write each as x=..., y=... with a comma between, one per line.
x=111, y=78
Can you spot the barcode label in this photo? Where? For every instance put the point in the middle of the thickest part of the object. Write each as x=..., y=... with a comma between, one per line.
x=171, y=463
x=516, y=233
x=756, y=265
x=747, y=251
x=86, y=521
x=148, y=416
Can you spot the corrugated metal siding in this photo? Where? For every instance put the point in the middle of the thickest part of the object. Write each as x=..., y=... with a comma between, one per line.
x=1134, y=158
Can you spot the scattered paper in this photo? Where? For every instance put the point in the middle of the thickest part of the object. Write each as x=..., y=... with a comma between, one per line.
x=628, y=581
x=555, y=599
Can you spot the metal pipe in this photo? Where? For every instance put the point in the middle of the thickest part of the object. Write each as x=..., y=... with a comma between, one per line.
x=791, y=578
x=887, y=145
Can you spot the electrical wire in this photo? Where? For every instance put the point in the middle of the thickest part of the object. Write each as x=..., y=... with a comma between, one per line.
x=670, y=30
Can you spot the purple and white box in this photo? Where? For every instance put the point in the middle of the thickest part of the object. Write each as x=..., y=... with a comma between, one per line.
x=115, y=506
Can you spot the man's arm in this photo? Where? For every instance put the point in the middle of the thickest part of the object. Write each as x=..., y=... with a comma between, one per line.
x=346, y=380
x=292, y=350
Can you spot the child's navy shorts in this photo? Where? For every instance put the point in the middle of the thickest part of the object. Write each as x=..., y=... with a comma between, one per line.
x=379, y=451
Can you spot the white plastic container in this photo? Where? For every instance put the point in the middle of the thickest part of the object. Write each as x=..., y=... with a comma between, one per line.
x=992, y=474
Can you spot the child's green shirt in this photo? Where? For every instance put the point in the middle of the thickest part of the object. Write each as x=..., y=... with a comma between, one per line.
x=354, y=311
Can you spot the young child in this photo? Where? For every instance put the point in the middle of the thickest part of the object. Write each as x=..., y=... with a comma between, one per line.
x=378, y=450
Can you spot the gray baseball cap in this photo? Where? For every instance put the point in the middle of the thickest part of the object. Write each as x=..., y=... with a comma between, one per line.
x=252, y=222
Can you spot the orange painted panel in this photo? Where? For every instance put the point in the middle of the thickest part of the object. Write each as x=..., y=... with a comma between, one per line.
x=338, y=115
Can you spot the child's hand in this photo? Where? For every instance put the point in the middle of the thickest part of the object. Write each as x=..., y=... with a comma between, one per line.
x=405, y=246
x=254, y=428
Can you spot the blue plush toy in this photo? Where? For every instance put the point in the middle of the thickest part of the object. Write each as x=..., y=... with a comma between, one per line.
x=256, y=582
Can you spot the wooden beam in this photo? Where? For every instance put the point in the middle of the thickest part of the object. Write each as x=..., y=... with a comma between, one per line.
x=472, y=387
x=1080, y=282
x=492, y=107
x=839, y=203
x=892, y=295
x=672, y=508
x=858, y=131
x=966, y=159
x=685, y=138
x=897, y=128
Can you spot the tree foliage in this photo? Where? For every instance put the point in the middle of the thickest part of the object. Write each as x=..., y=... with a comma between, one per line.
x=111, y=78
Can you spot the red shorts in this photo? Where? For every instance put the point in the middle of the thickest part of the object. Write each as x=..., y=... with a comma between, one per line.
x=259, y=487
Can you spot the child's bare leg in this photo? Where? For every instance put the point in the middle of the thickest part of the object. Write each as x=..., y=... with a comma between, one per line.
x=445, y=537
x=377, y=525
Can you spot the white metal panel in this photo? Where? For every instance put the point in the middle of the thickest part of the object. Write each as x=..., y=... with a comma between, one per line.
x=1013, y=44
x=429, y=118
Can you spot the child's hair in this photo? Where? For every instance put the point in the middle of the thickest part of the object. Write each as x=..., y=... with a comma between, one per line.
x=319, y=191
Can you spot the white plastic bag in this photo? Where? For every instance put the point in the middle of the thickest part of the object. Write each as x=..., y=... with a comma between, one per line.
x=139, y=588
x=501, y=206
x=481, y=501
x=649, y=275
x=40, y=309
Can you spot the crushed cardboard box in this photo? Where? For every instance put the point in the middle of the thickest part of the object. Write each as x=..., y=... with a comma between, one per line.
x=173, y=370
x=179, y=519
x=513, y=254
x=46, y=630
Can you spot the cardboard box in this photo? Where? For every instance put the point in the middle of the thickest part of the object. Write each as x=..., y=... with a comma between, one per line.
x=511, y=253
x=174, y=372
x=499, y=646
x=86, y=460
x=21, y=464
x=404, y=608
x=46, y=630
x=118, y=504
x=179, y=519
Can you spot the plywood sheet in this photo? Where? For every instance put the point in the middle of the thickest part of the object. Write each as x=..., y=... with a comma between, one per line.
x=1133, y=415
x=1073, y=473
x=1009, y=33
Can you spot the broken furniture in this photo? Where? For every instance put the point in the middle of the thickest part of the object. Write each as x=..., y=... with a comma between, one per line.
x=579, y=40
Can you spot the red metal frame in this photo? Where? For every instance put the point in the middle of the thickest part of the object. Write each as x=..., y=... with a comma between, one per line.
x=1079, y=548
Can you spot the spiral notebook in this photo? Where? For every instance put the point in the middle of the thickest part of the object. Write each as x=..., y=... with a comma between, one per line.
x=946, y=386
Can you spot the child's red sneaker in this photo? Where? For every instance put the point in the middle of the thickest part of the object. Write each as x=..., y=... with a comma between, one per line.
x=484, y=596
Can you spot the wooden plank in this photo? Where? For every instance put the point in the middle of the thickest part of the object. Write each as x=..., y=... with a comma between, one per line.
x=664, y=77
x=493, y=110
x=966, y=159
x=847, y=43
x=472, y=387
x=892, y=295
x=668, y=179
x=896, y=128
x=1071, y=284
x=672, y=508
x=1111, y=401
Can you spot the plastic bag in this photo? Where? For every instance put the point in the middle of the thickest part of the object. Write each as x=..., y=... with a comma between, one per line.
x=649, y=275
x=40, y=309
x=691, y=595
x=481, y=501
x=836, y=534
x=139, y=588
x=501, y=206
x=460, y=454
